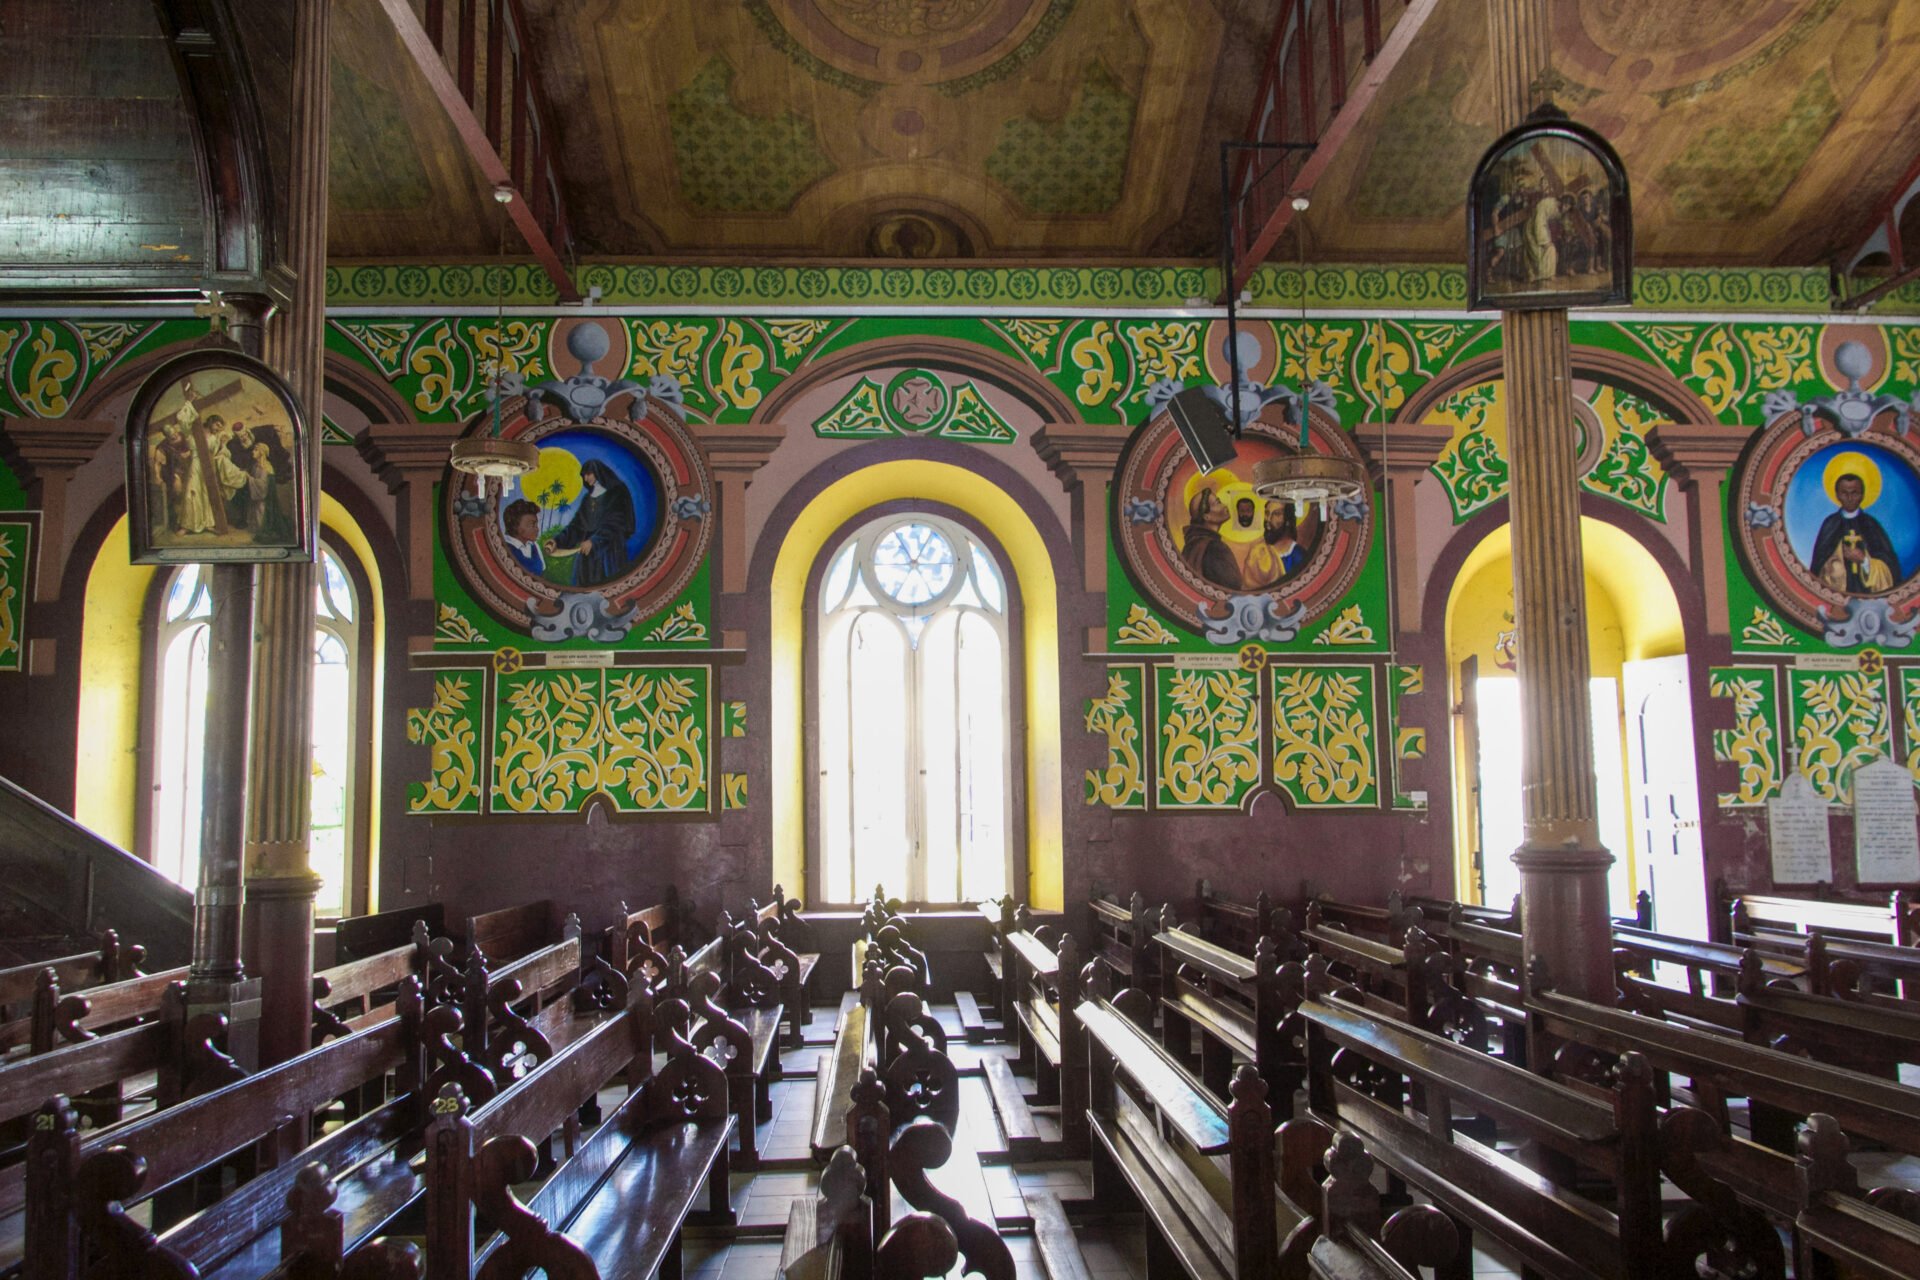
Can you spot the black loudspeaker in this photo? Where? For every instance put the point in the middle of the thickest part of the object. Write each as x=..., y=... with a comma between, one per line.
x=1203, y=425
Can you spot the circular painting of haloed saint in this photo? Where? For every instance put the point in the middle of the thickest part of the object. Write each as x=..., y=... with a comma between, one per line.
x=1201, y=545
x=1829, y=527
x=606, y=530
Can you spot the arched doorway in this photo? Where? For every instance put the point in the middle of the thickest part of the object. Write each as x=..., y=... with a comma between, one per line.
x=1643, y=744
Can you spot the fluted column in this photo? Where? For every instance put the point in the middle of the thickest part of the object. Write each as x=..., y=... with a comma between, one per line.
x=1563, y=868
x=280, y=884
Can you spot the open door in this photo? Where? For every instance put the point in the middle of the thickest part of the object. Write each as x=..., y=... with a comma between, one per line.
x=1666, y=793
x=1475, y=890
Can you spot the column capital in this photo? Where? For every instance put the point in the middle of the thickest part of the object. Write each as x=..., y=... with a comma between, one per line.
x=1081, y=453
x=1403, y=448
x=403, y=452
x=1695, y=451
x=45, y=452
x=412, y=456
x=47, y=447
x=736, y=450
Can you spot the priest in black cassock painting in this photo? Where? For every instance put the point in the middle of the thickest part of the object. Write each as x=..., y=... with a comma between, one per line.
x=1852, y=553
x=601, y=526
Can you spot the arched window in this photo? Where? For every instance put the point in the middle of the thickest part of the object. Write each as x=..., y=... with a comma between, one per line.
x=915, y=778
x=179, y=685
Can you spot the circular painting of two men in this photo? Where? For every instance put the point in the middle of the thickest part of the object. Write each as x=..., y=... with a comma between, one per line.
x=610, y=525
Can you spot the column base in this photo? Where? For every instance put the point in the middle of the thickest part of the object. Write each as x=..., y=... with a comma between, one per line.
x=236, y=1000
x=1566, y=923
x=279, y=934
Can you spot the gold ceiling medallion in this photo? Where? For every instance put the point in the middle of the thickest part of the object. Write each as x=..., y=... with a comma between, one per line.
x=915, y=42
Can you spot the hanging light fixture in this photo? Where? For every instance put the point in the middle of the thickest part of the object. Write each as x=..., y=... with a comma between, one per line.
x=1305, y=478
x=490, y=455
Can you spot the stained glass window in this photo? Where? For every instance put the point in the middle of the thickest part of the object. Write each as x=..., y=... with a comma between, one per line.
x=913, y=715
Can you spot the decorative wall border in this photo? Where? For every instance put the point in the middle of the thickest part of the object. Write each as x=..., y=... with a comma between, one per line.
x=1113, y=287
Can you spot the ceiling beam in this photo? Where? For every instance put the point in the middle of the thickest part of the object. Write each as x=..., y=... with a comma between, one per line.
x=1882, y=238
x=512, y=146
x=1287, y=110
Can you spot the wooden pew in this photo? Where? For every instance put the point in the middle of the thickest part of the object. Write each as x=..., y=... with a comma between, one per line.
x=1401, y=1090
x=359, y=937
x=1236, y=1004
x=1156, y=1133
x=999, y=913
x=1869, y=1037
x=1046, y=986
x=615, y=1204
x=1839, y=1232
x=1121, y=940
x=111, y=962
x=1721, y=1068
x=513, y=932
x=1895, y=919
x=1354, y=1238
x=81, y=1186
x=1234, y=925
x=766, y=944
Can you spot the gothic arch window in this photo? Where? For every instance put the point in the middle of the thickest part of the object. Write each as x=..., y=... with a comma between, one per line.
x=177, y=692
x=913, y=697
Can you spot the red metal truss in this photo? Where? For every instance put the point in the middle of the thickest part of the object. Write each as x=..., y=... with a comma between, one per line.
x=485, y=67
x=1884, y=238
x=1317, y=84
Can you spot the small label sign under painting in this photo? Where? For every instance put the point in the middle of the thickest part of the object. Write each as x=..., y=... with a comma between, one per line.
x=583, y=658
x=1206, y=662
x=1826, y=662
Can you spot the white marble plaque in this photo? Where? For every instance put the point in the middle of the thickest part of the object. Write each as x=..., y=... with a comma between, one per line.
x=1886, y=843
x=1797, y=831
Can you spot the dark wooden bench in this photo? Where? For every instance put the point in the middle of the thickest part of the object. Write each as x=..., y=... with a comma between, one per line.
x=1237, y=1006
x=999, y=913
x=359, y=937
x=615, y=1201
x=1046, y=986
x=1120, y=939
x=81, y=1186
x=22, y=985
x=1837, y=1231
x=512, y=932
x=1894, y=919
x=1238, y=926
x=1412, y=1097
x=1875, y=1038
x=763, y=941
x=1156, y=1136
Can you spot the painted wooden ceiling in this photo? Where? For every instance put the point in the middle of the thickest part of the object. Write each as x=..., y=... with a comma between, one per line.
x=1756, y=131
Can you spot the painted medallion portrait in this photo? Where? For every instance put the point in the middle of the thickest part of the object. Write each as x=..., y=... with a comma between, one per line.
x=1853, y=518
x=613, y=521
x=1219, y=557
x=1827, y=508
x=1549, y=220
x=216, y=464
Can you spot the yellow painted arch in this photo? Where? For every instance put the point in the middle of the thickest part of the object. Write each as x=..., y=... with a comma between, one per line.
x=801, y=545
x=113, y=658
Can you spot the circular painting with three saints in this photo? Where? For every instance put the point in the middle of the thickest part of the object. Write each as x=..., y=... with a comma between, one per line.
x=1202, y=545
